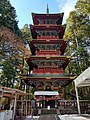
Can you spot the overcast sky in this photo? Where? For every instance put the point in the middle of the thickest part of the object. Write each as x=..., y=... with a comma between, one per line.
x=24, y=8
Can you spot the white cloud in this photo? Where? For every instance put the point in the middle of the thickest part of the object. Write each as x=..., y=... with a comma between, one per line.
x=66, y=6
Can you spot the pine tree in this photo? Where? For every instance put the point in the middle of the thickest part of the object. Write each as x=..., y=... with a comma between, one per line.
x=77, y=33
x=8, y=16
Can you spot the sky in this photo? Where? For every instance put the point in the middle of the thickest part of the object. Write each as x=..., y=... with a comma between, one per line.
x=24, y=8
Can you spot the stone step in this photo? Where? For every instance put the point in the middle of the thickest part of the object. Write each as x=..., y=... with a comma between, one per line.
x=51, y=111
x=49, y=117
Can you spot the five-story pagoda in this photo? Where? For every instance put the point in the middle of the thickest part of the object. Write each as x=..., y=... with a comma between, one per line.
x=47, y=61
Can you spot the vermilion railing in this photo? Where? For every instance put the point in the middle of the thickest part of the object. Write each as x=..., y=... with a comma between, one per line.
x=49, y=52
x=47, y=37
x=51, y=71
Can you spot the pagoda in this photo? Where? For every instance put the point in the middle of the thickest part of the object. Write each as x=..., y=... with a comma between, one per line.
x=47, y=61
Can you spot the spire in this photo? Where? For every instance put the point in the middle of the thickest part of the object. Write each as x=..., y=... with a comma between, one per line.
x=47, y=10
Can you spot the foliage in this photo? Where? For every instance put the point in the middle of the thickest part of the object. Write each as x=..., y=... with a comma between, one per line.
x=10, y=44
x=8, y=74
x=12, y=52
x=12, y=49
x=83, y=7
x=77, y=33
x=26, y=34
x=8, y=16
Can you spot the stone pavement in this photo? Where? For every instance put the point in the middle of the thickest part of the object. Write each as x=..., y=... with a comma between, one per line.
x=59, y=117
x=49, y=117
x=44, y=117
x=32, y=118
x=74, y=117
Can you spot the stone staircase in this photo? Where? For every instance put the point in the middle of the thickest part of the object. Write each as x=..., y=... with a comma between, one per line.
x=46, y=111
x=49, y=117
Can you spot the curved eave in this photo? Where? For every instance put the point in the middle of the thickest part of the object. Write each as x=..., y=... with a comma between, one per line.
x=33, y=42
x=30, y=60
x=40, y=14
x=49, y=76
x=36, y=16
x=35, y=79
x=48, y=58
x=59, y=28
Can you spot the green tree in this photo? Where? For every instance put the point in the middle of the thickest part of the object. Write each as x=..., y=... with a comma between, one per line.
x=8, y=74
x=12, y=48
x=83, y=7
x=12, y=51
x=77, y=33
x=26, y=34
x=8, y=16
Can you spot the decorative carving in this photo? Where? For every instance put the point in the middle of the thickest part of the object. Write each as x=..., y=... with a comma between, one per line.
x=48, y=46
x=51, y=62
x=47, y=32
x=47, y=21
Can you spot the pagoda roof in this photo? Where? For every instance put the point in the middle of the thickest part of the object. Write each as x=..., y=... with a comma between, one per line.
x=62, y=43
x=59, y=28
x=37, y=16
x=61, y=79
x=62, y=60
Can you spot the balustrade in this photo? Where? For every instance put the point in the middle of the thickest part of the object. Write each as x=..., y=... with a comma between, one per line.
x=47, y=37
x=48, y=70
x=50, y=52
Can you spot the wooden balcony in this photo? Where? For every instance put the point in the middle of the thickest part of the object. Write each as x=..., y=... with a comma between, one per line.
x=47, y=37
x=48, y=71
x=48, y=52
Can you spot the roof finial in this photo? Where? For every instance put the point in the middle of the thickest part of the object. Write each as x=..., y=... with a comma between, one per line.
x=47, y=10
